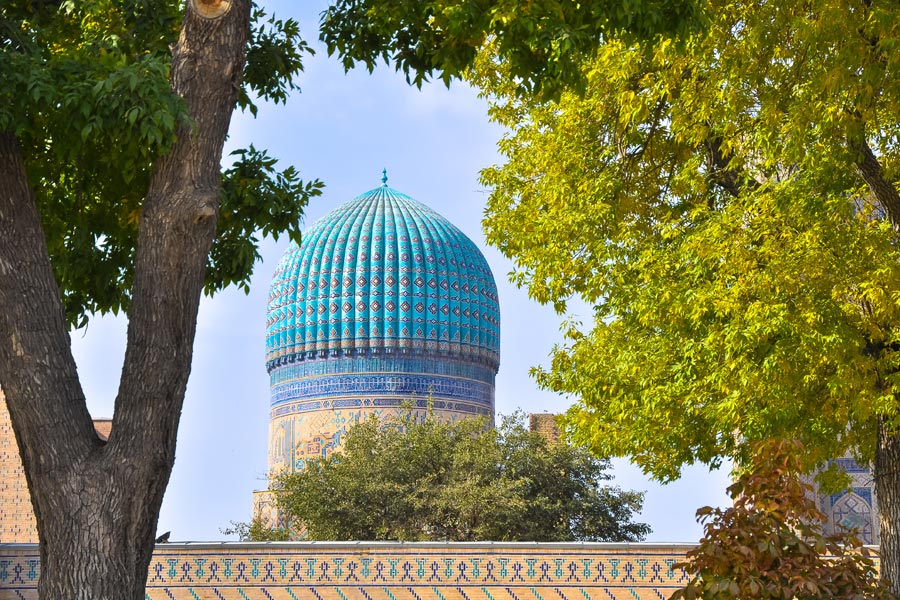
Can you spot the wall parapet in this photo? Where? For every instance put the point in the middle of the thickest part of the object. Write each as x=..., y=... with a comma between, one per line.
x=389, y=571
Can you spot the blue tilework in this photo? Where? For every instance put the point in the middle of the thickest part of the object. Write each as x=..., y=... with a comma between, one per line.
x=470, y=408
x=383, y=273
x=485, y=573
x=382, y=364
x=850, y=465
x=404, y=385
x=864, y=493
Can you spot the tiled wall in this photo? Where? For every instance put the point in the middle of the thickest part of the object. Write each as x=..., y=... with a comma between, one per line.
x=389, y=571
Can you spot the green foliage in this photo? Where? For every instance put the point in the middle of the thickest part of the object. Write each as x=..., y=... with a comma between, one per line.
x=84, y=86
x=770, y=544
x=255, y=197
x=540, y=42
x=703, y=198
x=459, y=482
x=274, y=58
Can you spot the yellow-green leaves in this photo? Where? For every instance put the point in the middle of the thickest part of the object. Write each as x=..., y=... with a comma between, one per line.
x=702, y=196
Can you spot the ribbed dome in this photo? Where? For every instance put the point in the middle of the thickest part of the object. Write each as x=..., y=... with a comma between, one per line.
x=382, y=273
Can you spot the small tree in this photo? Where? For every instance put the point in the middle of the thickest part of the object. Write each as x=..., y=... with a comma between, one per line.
x=770, y=543
x=257, y=530
x=457, y=481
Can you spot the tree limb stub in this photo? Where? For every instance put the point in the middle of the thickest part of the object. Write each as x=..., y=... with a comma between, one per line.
x=211, y=9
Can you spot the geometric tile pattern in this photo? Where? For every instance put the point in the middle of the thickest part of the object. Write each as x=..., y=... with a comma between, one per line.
x=390, y=571
x=382, y=273
x=855, y=508
x=377, y=384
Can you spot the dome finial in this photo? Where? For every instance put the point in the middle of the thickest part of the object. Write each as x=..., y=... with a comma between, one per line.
x=384, y=177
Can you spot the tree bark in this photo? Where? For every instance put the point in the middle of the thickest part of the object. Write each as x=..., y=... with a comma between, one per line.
x=96, y=503
x=887, y=449
x=869, y=168
x=887, y=489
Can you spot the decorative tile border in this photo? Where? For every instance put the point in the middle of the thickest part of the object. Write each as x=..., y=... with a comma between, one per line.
x=367, y=571
x=389, y=571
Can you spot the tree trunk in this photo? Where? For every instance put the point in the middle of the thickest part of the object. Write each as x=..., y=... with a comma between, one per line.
x=97, y=503
x=887, y=489
x=887, y=448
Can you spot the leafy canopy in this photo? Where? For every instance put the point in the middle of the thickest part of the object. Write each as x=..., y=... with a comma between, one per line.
x=461, y=481
x=705, y=199
x=85, y=88
x=770, y=544
x=541, y=42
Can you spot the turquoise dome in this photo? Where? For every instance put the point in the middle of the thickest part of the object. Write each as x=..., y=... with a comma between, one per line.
x=383, y=274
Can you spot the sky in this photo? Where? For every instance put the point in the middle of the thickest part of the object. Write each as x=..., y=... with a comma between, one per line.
x=343, y=129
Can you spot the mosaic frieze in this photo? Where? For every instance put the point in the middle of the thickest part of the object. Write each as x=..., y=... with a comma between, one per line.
x=382, y=364
x=405, y=385
x=393, y=571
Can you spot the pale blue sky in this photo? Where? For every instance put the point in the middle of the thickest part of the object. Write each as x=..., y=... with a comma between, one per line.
x=344, y=129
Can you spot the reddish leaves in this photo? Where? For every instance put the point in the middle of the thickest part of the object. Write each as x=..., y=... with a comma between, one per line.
x=770, y=544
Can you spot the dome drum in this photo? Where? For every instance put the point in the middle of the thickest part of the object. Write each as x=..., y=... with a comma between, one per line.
x=447, y=350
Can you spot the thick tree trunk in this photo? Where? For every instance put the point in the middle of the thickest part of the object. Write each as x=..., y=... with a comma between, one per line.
x=887, y=488
x=887, y=449
x=97, y=503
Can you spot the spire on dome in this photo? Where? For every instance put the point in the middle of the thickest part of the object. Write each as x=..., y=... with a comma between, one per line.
x=384, y=177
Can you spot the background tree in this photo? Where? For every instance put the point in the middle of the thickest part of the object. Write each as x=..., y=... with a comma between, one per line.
x=770, y=544
x=727, y=205
x=257, y=530
x=459, y=482
x=112, y=120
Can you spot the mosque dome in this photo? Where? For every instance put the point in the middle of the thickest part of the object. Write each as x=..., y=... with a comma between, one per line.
x=385, y=310
x=382, y=273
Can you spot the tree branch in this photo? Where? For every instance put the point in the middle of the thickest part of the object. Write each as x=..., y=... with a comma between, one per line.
x=870, y=170
x=37, y=369
x=722, y=173
x=177, y=226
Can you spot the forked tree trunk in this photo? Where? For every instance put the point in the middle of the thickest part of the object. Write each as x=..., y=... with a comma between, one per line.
x=887, y=489
x=97, y=503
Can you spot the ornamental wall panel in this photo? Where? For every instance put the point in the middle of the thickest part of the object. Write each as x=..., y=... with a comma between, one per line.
x=389, y=571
